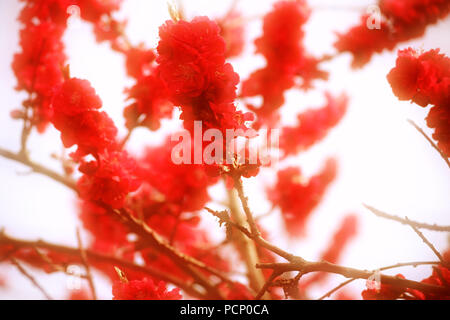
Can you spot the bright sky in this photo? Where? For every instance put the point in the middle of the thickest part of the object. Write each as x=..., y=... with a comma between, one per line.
x=383, y=160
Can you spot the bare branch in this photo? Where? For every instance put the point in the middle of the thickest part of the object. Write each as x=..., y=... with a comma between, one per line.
x=86, y=265
x=30, y=277
x=104, y=258
x=22, y=158
x=428, y=243
x=416, y=224
x=398, y=265
x=324, y=266
x=433, y=144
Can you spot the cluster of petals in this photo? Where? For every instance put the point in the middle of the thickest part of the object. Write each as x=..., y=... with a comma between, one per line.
x=37, y=66
x=424, y=78
x=145, y=289
x=191, y=58
x=399, y=21
x=313, y=125
x=297, y=196
x=109, y=178
x=286, y=59
x=112, y=174
x=149, y=98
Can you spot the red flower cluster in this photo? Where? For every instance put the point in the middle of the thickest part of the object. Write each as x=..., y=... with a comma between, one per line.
x=192, y=66
x=109, y=234
x=401, y=20
x=38, y=66
x=424, y=78
x=150, y=101
x=75, y=115
x=111, y=176
x=286, y=59
x=346, y=231
x=144, y=289
x=313, y=125
x=232, y=31
x=174, y=188
x=297, y=197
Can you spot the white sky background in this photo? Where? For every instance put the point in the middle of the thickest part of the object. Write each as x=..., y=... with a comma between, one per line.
x=383, y=160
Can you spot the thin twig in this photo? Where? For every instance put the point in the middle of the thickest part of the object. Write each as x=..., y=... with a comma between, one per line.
x=38, y=168
x=184, y=262
x=416, y=224
x=30, y=277
x=267, y=284
x=246, y=247
x=343, y=284
x=433, y=144
x=86, y=265
x=324, y=266
x=428, y=243
x=74, y=253
x=398, y=265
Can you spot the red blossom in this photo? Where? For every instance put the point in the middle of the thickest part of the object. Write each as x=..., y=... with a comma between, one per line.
x=421, y=77
x=401, y=20
x=313, y=125
x=297, y=197
x=150, y=102
x=75, y=115
x=109, y=234
x=286, y=59
x=144, y=289
x=37, y=67
x=424, y=78
x=109, y=178
x=191, y=57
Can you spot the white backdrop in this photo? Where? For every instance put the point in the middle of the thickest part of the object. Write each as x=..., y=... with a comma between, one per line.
x=383, y=160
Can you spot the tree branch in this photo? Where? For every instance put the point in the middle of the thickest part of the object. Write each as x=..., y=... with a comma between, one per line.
x=86, y=265
x=23, y=159
x=398, y=265
x=100, y=257
x=324, y=266
x=416, y=224
x=433, y=144
x=428, y=243
x=30, y=277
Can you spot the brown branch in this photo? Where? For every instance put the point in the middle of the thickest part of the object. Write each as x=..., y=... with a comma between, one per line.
x=299, y=264
x=267, y=284
x=255, y=234
x=22, y=158
x=183, y=261
x=86, y=265
x=324, y=266
x=398, y=265
x=244, y=201
x=103, y=258
x=30, y=277
x=343, y=284
x=433, y=144
x=416, y=224
x=428, y=243
x=246, y=247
